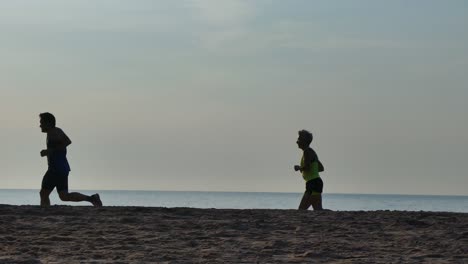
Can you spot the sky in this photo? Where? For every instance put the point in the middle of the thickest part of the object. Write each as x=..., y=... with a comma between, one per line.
x=208, y=95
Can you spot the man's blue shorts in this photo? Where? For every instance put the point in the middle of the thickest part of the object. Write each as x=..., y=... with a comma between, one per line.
x=55, y=179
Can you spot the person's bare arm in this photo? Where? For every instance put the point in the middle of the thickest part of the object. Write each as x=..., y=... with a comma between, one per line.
x=60, y=139
x=307, y=160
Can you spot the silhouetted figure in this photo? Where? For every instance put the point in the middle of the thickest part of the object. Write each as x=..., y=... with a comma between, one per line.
x=310, y=167
x=58, y=170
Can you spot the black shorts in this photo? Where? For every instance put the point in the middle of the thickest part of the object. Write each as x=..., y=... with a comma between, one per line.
x=314, y=186
x=54, y=179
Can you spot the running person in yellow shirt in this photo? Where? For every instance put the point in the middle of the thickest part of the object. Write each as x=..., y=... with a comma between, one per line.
x=310, y=167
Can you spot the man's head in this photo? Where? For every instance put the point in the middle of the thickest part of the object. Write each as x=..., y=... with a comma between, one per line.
x=304, y=139
x=47, y=121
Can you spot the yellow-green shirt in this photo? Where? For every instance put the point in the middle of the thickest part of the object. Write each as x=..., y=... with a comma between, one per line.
x=312, y=173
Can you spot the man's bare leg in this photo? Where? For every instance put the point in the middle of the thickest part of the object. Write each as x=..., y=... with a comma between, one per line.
x=78, y=197
x=305, y=202
x=316, y=201
x=45, y=201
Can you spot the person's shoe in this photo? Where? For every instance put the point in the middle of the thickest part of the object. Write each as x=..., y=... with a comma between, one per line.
x=96, y=200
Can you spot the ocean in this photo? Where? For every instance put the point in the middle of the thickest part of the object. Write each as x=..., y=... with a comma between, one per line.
x=251, y=200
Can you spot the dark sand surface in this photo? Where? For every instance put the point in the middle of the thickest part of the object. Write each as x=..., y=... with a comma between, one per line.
x=80, y=234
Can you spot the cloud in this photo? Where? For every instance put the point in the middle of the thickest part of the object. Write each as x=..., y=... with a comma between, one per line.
x=223, y=12
x=90, y=16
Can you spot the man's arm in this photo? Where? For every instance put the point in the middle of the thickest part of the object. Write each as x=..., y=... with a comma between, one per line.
x=66, y=140
x=308, y=157
x=60, y=139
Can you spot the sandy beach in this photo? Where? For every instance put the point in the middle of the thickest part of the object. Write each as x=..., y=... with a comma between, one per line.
x=80, y=234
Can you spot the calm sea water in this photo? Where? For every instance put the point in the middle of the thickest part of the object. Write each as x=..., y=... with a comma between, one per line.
x=243, y=200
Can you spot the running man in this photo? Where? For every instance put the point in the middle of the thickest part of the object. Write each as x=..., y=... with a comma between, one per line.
x=58, y=170
x=310, y=167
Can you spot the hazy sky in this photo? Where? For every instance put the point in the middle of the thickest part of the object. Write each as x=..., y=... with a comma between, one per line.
x=209, y=95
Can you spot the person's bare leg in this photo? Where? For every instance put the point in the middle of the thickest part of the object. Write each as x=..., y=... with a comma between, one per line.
x=73, y=197
x=305, y=202
x=44, y=194
x=316, y=201
x=78, y=197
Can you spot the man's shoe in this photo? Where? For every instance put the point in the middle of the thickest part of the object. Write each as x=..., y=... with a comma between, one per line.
x=96, y=200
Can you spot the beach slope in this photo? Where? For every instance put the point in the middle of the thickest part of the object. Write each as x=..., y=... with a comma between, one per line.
x=80, y=234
